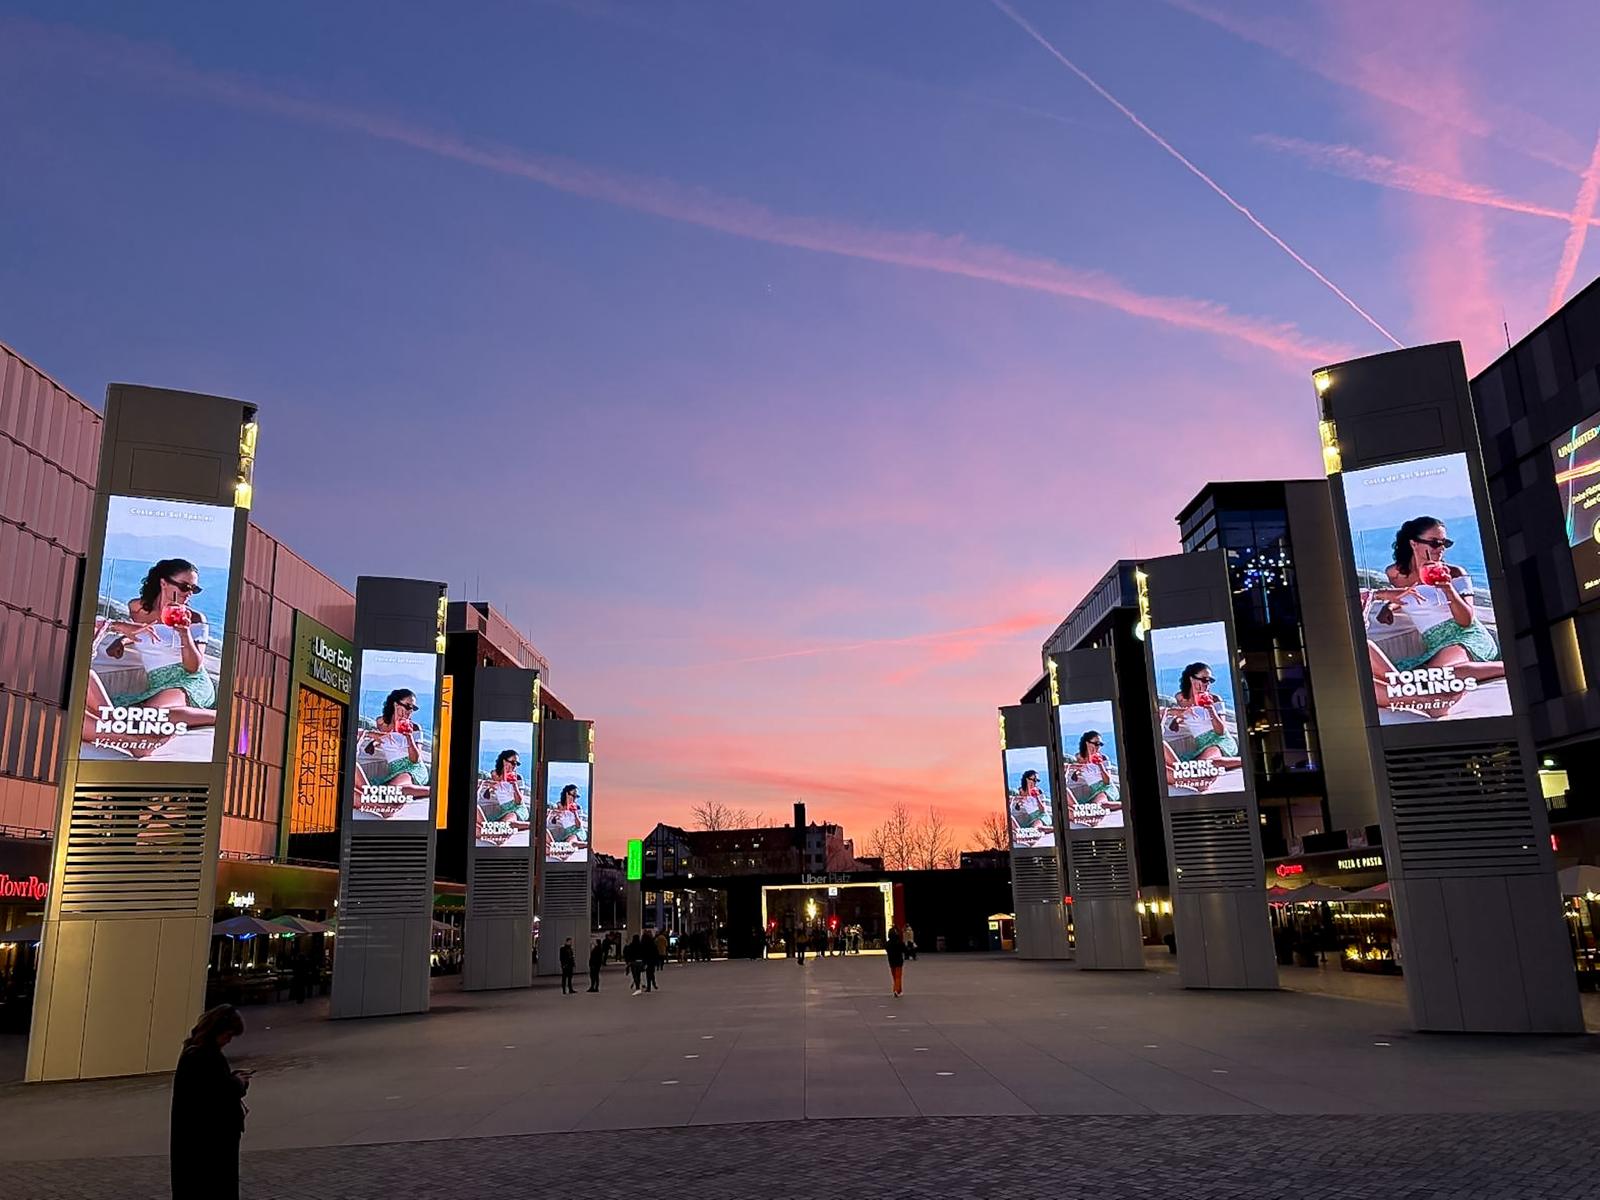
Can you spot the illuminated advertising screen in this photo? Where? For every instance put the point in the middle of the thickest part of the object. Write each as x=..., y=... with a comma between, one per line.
x=395, y=736
x=1577, y=463
x=1433, y=644
x=566, y=818
x=1028, y=809
x=155, y=662
x=1090, y=765
x=1197, y=709
x=502, y=799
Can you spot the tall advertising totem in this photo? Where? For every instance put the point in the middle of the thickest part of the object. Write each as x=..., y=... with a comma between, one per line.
x=386, y=845
x=1466, y=836
x=567, y=840
x=127, y=929
x=502, y=833
x=1098, y=825
x=1032, y=816
x=1219, y=902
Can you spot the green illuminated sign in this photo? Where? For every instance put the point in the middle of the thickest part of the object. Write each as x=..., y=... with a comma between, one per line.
x=635, y=859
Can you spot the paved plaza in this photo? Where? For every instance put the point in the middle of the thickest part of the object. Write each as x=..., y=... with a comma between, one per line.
x=991, y=1077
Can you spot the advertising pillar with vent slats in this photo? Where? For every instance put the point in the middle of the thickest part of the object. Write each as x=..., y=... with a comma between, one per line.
x=382, y=964
x=127, y=929
x=1033, y=816
x=1097, y=827
x=504, y=832
x=1208, y=803
x=567, y=836
x=1482, y=943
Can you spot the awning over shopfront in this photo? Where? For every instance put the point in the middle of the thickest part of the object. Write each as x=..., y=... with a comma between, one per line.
x=1312, y=893
x=1378, y=891
x=22, y=935
x=1579, y=880
x=243, y=927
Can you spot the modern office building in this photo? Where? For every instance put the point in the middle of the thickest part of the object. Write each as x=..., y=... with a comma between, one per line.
x=1536, y=406
x=1302, y=713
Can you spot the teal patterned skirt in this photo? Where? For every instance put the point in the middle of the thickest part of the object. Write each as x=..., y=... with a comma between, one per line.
x=401, y=766
x=196, y=685
x=1225, y=742
x=1478, y=641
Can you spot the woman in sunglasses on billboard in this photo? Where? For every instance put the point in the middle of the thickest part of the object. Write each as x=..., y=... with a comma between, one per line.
x=393, y=741
x=168, y=639
x=1092, y=791
x=1201, y=713
x=1437, y=597
x=501, y=799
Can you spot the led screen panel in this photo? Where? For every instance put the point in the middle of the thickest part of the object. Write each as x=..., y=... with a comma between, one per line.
x=1196, y=705
x=502, y=800
x=1577, y=467
x=1090, y=765
x=155, y=662
x=566, y=820
x=1433, y=643
x=395, y=735
x=1029, y=812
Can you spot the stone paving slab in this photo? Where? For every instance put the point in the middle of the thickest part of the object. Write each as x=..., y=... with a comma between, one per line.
x=1528, y=1156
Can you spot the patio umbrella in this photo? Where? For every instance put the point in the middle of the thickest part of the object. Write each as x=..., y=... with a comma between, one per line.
x=22, y=934
x=243, y=926
x=1579, y=880
x=1378, y=891
x=298, y=925
x=1314, y=893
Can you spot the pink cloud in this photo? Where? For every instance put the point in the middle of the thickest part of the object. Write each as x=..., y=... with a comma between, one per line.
x=1354, y=163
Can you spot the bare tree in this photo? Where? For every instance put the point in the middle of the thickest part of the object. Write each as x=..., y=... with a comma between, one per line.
x=932, y=844
x=713, y=814
x=993, y=833
x=907, y=843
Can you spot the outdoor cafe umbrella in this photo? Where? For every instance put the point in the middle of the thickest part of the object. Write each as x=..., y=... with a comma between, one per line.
x=23, y=933
x=298, y=925
x=1378, y=891
x=1314, y=893
x=244, y=926
x=1579, y=880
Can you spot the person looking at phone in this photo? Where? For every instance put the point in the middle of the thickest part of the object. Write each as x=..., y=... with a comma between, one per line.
x=208, y=1110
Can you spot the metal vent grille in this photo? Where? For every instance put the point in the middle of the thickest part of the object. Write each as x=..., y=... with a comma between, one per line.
x=1036, y=879
x=1462, y=811
x=501, y=887
x=129, y=852
x=388, y=876
x=1100, y=869
x=566, y=894
x=1214, y=850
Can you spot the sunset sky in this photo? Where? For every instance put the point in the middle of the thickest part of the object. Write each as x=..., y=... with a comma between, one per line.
x=785, y=371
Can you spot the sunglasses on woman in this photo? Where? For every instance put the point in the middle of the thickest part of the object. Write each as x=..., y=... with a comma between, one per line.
x=1436, y=543
x=188, y=589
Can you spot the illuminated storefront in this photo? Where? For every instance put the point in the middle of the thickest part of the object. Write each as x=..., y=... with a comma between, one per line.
x=319, y=699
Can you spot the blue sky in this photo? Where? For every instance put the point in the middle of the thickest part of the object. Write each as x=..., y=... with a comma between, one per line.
x=785, y=371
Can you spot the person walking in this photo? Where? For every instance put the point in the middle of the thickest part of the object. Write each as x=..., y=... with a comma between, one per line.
x=569, y=963
x=597, y=959
x=633, y=956
x=896, y=949
x=910, y=939
x=650, y=948
x=208, y=1110
x=663, y=945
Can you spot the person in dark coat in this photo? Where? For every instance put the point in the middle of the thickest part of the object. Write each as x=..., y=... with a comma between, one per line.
x=650, y=951
x=208, y=1111
x=597, y=959
x=569, y=964
x=896, y=949
x=633, y=955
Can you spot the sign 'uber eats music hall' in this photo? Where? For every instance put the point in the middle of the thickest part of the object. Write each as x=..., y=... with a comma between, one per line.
x=322, y=673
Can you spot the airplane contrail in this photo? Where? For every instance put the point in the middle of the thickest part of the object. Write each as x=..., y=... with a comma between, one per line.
x=1022, y=23
x=1582, y=214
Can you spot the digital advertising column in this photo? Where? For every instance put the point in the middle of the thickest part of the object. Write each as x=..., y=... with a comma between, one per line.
x=500, y=835
x=381, y=964
x=1209, y=811
x=1095, y=811
x=1465, y=834
x=565, y=820
x=1032, y=816
x=127, y=929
